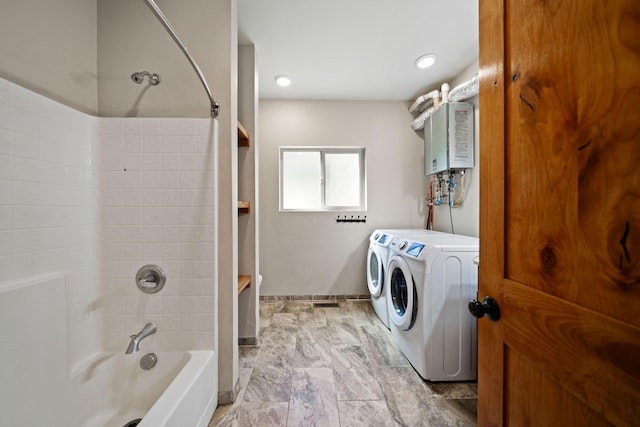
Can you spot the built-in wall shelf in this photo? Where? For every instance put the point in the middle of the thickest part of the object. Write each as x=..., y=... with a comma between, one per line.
x=246, y=184
x=244, y=282
x=244, y=140
x=244, y=207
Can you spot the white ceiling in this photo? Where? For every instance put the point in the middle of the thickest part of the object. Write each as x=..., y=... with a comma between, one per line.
x=358, y=49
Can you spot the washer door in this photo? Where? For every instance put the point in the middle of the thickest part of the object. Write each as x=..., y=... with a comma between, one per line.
x=402, y=295
x=375, y=272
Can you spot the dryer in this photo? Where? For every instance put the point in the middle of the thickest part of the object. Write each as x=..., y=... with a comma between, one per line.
x=377, y=258
x=377, y=261
x=431, y=279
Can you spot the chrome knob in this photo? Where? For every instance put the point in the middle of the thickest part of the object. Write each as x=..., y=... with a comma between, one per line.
x=150, y=279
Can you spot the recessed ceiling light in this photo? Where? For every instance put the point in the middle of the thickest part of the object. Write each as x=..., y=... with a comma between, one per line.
x=283, y=81
x=426, y=61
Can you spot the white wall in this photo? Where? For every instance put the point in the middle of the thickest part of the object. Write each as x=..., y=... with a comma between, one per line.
x=49, y=217
x=98, y=199
x=224, y=48
x=466, y=218
x=309, y=253
x=61, y=48
x=82, y=53
x=157, y=206
x=130, y=39
x=50, y=47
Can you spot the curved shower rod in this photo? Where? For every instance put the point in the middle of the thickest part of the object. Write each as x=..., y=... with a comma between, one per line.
x=215, y=107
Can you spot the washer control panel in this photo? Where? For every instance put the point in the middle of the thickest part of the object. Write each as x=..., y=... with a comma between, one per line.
x=383, y=239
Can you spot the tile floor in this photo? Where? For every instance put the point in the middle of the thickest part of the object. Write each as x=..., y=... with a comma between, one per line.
x=336, y=366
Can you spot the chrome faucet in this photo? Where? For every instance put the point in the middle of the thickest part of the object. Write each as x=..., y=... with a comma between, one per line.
x=149, y=329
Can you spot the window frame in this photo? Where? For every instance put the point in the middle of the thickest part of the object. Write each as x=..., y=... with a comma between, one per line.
x=323, y=150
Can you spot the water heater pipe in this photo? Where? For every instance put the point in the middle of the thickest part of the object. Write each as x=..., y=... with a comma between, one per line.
x=418, y=122
x=458, y=201
x=431, y=96
x=445, y=93
x=430, y=224
x=465, y=90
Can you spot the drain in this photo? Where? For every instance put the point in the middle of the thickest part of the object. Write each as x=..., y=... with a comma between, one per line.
x=326, y=305
x=133, y=423
x=148, y=361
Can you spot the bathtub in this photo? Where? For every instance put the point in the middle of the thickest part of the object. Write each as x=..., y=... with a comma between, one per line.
x=40, y=387
x=180, y=391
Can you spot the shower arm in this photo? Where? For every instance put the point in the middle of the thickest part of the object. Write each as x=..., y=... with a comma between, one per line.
x=165, y=23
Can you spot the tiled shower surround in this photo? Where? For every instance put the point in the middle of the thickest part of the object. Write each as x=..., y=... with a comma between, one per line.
x=99, y=198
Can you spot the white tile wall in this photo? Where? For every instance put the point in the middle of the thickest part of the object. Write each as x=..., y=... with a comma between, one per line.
x=101, y=197
x=48, y=210
x=156, y=190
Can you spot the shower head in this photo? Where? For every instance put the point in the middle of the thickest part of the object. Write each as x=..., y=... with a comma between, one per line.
x=138, y=77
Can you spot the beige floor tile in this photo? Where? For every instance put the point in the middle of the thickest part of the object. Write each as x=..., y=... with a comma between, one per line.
x=336, y=367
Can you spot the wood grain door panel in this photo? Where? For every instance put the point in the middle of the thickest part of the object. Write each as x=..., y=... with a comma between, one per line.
x=560, y=212
x=539, y=406
x=572, y=157
x=593, y=357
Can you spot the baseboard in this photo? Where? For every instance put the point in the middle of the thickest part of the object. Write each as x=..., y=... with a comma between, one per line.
x=248, y=341
x=228, y=397
x=343, y=297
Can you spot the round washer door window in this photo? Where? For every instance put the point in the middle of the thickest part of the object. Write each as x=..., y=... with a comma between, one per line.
x=375, y=273
x=402, y=296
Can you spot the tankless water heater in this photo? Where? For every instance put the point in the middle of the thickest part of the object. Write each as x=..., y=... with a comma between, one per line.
x=448, y=138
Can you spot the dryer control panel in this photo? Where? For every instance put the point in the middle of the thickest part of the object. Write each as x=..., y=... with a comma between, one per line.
x=408, y=247
x=415, y=249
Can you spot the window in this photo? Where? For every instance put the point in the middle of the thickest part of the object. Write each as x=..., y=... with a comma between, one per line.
x=322, y=178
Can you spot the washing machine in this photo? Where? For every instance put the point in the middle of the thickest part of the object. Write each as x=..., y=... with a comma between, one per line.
x=377, y=261
x=430, y=281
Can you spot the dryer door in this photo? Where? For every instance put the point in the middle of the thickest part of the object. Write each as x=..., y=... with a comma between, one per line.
x=375, y=272
x=402, y=295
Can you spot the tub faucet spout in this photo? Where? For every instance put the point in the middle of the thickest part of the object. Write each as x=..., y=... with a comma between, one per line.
x=149, y=329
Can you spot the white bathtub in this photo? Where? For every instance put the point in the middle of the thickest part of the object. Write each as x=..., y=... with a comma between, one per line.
x=39, y=386
x=180, y=391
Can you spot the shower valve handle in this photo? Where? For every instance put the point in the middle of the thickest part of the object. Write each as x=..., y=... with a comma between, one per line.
x=149, y=282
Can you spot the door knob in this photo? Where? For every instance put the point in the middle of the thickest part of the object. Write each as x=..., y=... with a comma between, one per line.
x=488, y=306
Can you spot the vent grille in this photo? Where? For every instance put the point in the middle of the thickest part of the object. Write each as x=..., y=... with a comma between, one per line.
x=326, y=305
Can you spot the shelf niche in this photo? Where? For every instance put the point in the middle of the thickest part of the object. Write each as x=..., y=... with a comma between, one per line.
x=244, y=139
x=244, y=281
x=244, y=208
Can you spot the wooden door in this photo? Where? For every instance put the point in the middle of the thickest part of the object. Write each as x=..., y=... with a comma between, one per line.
x=560, y=212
